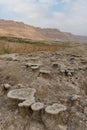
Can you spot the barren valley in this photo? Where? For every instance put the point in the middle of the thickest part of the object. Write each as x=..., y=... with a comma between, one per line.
x=43, y=82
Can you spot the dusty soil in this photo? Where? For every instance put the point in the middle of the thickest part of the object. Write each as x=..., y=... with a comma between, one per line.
x=60, y=78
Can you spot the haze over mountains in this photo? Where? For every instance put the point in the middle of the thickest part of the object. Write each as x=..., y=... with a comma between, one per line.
x=21, y=30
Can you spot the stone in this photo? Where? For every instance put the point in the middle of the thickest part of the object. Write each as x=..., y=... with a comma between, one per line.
x=6, y=86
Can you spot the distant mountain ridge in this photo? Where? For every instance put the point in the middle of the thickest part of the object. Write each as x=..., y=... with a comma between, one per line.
x=21, y=30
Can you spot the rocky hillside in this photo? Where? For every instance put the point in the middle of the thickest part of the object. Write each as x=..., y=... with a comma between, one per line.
x=19, y=29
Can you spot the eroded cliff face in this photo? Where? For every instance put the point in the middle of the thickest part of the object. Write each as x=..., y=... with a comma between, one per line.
x=58, y=77
x=20, y=30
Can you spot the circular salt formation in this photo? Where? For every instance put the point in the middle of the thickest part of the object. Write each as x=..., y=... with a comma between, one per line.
x=32, y=64
x=37, y=106
x=21, y=94
x=43, y=71
x=27, y=102
x=75, y=97
x=35, y=67
x=55, y=108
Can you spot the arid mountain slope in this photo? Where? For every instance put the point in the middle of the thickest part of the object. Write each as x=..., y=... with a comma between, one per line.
x=19, y=29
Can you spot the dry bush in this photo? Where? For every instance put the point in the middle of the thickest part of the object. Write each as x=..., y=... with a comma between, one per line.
x=27, y=48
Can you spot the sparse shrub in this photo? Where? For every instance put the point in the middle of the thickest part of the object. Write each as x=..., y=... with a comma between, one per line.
x=6, y=49
x=20, y=45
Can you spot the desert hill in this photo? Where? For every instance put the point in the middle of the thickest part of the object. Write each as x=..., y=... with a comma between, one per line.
x=21, y=30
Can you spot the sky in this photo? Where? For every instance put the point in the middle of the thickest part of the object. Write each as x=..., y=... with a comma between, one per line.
x=66, y=15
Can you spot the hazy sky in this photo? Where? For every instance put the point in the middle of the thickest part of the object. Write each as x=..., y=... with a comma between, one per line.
x=66, y=15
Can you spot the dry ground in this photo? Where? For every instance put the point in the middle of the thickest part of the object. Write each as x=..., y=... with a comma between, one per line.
x=66, y=84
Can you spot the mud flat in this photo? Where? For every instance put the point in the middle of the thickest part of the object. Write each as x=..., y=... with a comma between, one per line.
x=44, y=90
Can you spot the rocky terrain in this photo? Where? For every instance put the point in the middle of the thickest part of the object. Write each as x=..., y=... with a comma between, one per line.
x=44, y=90
x=20, y=30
